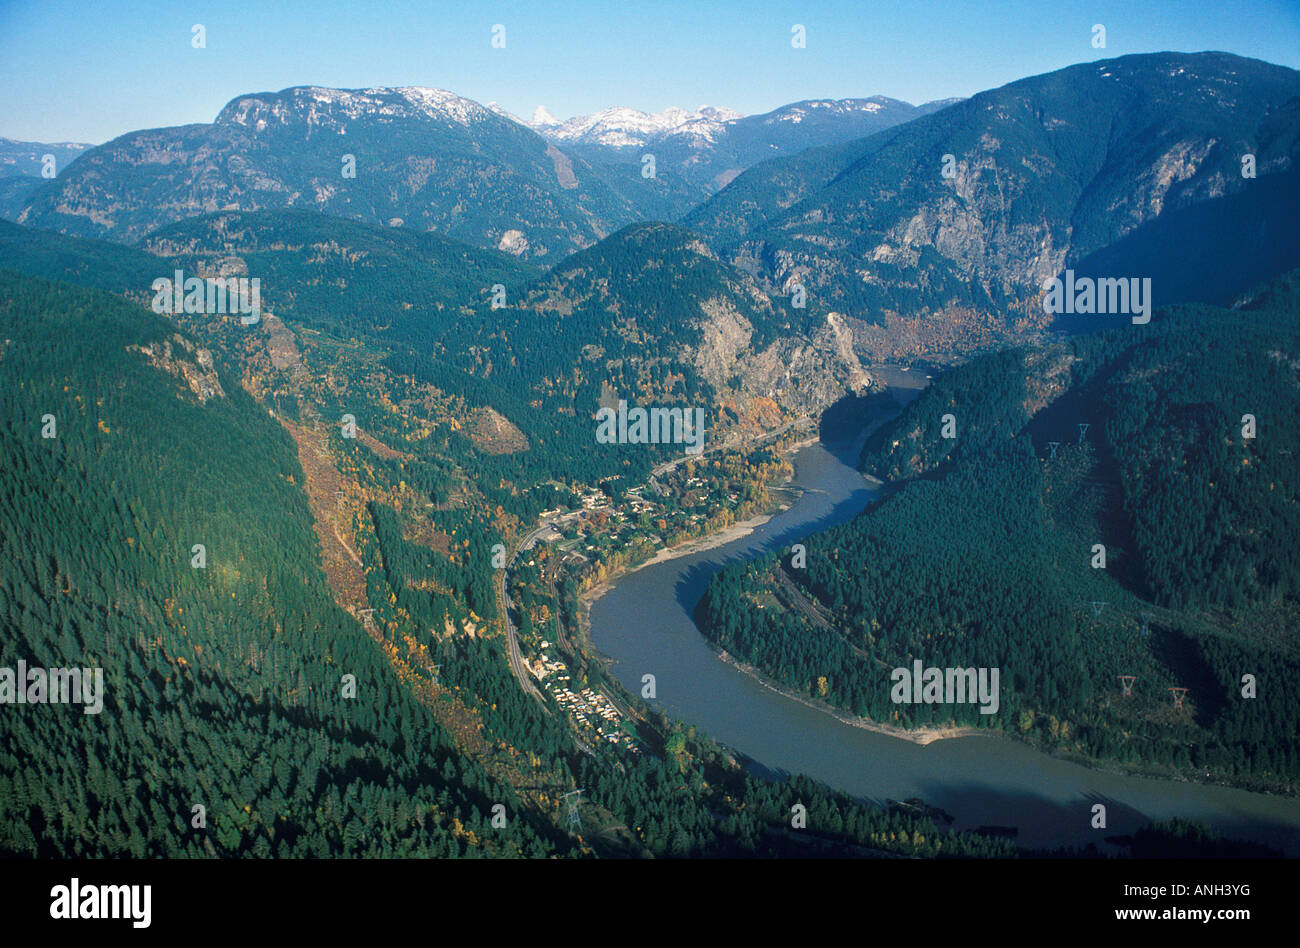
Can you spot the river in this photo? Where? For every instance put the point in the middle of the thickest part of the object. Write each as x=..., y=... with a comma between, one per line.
x=644, y=625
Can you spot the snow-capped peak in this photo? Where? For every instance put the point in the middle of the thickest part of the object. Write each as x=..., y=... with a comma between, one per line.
x=543, y=117
x=719, y=115
x=625, y=127
x=323, y=106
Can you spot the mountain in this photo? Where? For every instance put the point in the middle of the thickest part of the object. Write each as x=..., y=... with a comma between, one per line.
x=27, y=159
x=542, y=117
x=1046, y=173
x=156, y=448
x=651, y=315
x=246, y=712
x=425, y=159
x=22, y=170
x=630, y=128
x=698, y=152
x=1121, y=503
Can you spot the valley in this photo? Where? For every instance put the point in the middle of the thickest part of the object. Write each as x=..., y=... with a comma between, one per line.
x=515, y=503
x=1047, y=795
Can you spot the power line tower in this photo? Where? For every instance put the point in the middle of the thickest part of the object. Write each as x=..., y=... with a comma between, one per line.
x=573, y=798
x=1179, y=695
x=1127, y=682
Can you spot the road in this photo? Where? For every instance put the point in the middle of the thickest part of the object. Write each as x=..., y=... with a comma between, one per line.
x=512, y=634
x=512, y=644
x=548, y=527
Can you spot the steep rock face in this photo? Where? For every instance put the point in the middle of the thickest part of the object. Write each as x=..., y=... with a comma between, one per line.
x=802, y=373
x=424, y=158
x=724, y=335
x=651, y=315
x=191, y=364
x=971, y=209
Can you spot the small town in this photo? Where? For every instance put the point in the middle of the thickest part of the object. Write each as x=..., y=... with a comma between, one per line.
x=611, y=529
x=588, y=708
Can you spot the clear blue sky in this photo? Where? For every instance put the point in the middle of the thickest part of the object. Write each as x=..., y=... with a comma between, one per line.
x=92, y=71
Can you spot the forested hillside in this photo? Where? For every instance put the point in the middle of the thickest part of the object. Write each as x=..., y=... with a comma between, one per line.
x=225, y=684
x=333, y=561
x=1155, y=542
x=347, y=277
x=226, y=668
x=652, y=316
x=413, y=300
x=1123, y=167
x=648, y=315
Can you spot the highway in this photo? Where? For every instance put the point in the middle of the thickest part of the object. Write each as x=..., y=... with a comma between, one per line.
x=512, y=634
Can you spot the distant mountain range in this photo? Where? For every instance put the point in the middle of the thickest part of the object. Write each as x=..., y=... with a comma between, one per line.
x=186, y=503
x=432, y=160
x=1042, y=174
x=698, y=153
x=27, y=159
x=624, y=127
x=931, y=228
x=22, y=169
x=798, y=125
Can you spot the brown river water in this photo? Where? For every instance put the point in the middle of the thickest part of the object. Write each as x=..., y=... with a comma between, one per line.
x=644, y=625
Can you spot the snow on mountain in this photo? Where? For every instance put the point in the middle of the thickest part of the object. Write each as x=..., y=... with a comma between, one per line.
x=798, y=111
x=625, y=127
x=506, y=114
x=327, y=107
x=542, y=117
